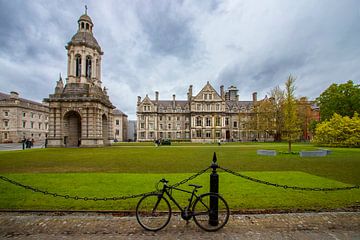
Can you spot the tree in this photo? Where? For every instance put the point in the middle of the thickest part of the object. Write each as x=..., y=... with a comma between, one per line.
x=343, y=99
x=277, y=97
x=291, y=130
x=304, y=116
x=339, y=131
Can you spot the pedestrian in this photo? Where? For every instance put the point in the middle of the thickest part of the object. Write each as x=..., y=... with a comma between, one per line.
x=219, y=142
x=23, y=143
x=46, y=142
x=32, y=142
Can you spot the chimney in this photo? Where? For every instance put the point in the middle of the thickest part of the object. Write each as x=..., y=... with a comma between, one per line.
x=222, y=93
x=174, y=100
x=139, y=100
x=156, y=96
x=14, y=95
x=254, y=97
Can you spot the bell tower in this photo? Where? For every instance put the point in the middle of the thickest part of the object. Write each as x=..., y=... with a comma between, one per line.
x=84, y=54
x=81, y=113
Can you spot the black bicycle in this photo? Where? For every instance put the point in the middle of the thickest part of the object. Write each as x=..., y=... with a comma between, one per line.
x=209, y=211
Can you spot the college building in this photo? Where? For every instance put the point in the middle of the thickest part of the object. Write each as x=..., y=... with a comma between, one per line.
x=204, y=117
x=21, y=118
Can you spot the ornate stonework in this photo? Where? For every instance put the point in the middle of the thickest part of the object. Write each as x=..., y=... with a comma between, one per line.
x=81, y=113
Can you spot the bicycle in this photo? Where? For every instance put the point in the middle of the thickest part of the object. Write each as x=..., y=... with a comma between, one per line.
x=210, y=211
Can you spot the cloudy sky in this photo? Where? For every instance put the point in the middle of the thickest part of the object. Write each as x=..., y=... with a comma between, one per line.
x=165, y=46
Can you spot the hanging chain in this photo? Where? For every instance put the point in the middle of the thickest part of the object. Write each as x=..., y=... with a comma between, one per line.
x=75, y=197
x=286, y=186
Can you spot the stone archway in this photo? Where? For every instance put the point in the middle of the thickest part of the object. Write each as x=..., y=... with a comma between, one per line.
x=72, y=129
x=105, y=130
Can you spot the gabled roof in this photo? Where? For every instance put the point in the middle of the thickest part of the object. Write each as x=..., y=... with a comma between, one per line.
x=205, y=89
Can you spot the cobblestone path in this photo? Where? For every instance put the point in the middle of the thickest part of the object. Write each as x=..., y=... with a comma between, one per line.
x=49, y=226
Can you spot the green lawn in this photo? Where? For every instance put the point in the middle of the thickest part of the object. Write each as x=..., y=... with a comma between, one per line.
x=126, y=169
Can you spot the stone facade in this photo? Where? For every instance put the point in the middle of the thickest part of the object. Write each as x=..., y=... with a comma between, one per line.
x=21, y=118
x=206, y=117
x=120, y=126
x=81, y=113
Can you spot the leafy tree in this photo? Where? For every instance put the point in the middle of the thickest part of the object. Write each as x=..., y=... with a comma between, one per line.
x=304, y=116
x=291, y=130
x=339, y=131
x=343, y=99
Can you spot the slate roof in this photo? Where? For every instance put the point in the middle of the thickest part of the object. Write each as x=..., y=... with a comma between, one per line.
x=118, y=112
x=4, y=97
x=85, y=38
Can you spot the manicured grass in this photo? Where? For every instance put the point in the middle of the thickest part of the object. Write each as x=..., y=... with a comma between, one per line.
x=239, y=193
x=131, y=168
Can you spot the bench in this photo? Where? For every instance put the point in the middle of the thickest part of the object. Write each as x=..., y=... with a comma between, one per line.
x=266, y=152
x=317, y=153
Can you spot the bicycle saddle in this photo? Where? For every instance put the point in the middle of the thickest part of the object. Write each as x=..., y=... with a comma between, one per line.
x=195, y=186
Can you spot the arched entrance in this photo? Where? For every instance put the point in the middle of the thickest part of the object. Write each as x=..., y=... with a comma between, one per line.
x=105, y=130
x=72, y=129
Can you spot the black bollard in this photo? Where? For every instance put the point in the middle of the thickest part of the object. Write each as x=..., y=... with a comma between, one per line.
x=214, y=188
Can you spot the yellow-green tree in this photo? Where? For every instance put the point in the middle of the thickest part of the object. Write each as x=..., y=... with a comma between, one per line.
x=291, y=130
x=339, y=131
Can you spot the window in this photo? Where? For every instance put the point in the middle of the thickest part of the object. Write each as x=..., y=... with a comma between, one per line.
x=87, y=26
x=117, y=122
x=151, y=134
x=142, y=125
x=6, y=123
x=117, y=132
x=142, y=134
x=169, y=134
x=198, y=121
x=178, y=118
x=169, y=126
x=160, y=118
x=210, y=96
x=161, y=134
x=32, y=124
x=198, y=107
x=235, y=124
x=217, y=107
x=208, y=122
x=5, y=135
x=161, y=126
x=208, y=134
x=169, y=118
x=218, y=121
x=151, y=126
x=226, y=121
x=178, y=135
x=205, y=96
x=78, y=65
x=39, y=125
x=82, y=25
x=217, y=134
x=24, y=124
x=6, y=114
x=24, y=114
x=88, y=65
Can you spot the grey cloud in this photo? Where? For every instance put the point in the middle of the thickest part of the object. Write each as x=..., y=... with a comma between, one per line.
x=167, y=28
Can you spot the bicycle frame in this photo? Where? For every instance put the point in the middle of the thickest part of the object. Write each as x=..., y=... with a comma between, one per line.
x=193, y=194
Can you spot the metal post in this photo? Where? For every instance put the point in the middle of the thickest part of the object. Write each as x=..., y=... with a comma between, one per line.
x=214, y=188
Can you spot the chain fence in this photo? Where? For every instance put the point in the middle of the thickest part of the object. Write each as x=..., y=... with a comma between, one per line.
x=75, y=197
x=125, y=197
x=286, y=186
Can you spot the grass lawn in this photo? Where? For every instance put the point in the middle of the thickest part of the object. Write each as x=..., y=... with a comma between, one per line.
x=126, y=169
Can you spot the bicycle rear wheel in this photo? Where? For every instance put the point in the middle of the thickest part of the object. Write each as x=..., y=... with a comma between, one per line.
x=153, y=212
x=209, y=217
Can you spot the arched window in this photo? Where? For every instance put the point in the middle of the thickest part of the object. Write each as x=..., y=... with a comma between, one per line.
x=78, y=66
x=88, y=67
x=87, y=26
x=82, y=25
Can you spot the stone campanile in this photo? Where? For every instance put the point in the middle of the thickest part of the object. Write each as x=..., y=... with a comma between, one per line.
x=81, y=113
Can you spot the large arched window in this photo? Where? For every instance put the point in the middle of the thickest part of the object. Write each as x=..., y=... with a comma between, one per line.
x=88, y=67
x=78, y=66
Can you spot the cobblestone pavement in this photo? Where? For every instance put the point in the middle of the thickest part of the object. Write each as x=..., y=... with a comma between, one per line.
x=49, y=226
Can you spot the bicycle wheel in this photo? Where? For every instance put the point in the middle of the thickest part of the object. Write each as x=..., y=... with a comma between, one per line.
x=153, y=212
x=209, y=217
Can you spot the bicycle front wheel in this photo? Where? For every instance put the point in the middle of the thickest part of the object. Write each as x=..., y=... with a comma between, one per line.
x=153, y=212
x=210, y=212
